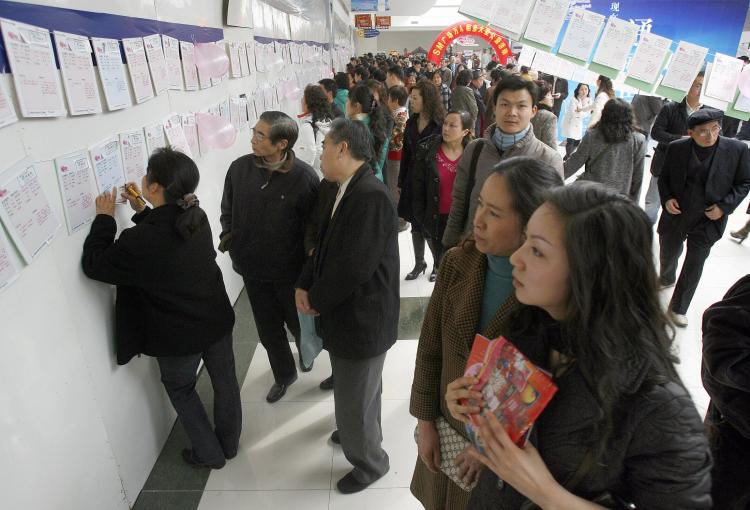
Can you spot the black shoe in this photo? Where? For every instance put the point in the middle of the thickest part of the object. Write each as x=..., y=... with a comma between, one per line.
x=433, y=274
x=187, y=456
x=327, y=384
x=335, y=439
x=419, y=268
x=278, y=390
x=349, y=485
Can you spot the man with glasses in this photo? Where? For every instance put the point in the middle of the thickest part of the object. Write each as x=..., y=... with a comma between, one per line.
x=704, y=178
x=269, y=197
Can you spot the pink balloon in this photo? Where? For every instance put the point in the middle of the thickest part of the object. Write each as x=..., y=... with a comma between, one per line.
x=215, y=131
x=744, y=82
x=211, y=60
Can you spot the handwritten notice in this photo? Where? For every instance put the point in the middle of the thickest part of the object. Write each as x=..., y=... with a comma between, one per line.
x=481, y=9
x=26, y=211
x=725, y=74
x=190, y=127
x=649, y=57
x=107, y=162
x=244, y=65
x=112, y=73
x=7, y=111
x=79, y=78
x=583, y=30
x=78, y=189
x=172, y=56
x=617, y=41
x=189, y=70
x=546, y=21
x=157, y=64
x=234, y=58
x=684, y=66
x=35, y=75
x=155, y=138
x=134, y=155
x=511, y=16
x=9, y=268
x=140, y=76
x=176, y=135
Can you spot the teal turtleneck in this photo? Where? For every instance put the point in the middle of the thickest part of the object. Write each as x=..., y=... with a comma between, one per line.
x=498, y=286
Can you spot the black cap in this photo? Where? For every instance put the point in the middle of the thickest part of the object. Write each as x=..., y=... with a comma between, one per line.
x=476, y=74
x=704, y=115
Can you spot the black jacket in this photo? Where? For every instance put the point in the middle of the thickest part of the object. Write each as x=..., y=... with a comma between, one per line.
x=560, y=87
x=670, y=125
x=171, y=299
x=726, y=356
x=412, y=139
x=427, y=185
x=728, y=179
x=265, y=218
x=353, y=279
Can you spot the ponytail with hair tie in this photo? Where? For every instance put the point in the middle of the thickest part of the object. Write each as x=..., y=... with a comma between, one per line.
x=188, y=200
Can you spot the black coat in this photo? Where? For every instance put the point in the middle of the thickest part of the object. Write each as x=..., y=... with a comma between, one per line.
x=265, y=218
x=670, y=125
x=412, y=139
x=171, y=299
x=427, y=185
x=353, y=279
x=560, y=87
x=728, y=179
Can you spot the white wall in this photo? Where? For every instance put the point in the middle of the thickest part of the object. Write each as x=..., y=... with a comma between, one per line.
x=80, y=432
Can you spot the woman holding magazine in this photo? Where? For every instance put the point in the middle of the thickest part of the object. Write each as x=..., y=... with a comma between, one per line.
x=621, y=428
x=473, y=294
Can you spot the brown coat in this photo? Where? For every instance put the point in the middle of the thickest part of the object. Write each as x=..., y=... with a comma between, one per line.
x=444, y=345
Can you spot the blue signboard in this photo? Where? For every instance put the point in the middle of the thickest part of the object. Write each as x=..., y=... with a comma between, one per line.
x=371, y=32
x=371, y=5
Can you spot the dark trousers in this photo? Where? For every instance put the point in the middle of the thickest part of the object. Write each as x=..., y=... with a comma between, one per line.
x=435, y=242
x=390, y=177
x=178, y=374
x=671, y=244
x=730, y=476
x=273, y=306
x=570, y=146
x=418, y=238
x=357, y=389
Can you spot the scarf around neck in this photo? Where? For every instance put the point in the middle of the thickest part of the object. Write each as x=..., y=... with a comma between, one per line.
x=505, y=141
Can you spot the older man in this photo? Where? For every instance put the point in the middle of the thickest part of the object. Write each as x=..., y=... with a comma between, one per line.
x=352, y=283
x=704, y=178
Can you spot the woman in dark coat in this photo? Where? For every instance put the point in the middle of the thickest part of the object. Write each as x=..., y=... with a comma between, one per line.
x=621, y=428
x=171, y=300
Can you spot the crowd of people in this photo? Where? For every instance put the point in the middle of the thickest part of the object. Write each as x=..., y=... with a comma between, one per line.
x=311, y=218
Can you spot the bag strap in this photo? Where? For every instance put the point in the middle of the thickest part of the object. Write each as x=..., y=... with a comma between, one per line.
x=472, y=179
x=601, y=153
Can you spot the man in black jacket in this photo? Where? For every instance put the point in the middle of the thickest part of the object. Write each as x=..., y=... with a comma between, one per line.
x=268, y=200
x=352, y=283
x=726, y=378
x=703, y=180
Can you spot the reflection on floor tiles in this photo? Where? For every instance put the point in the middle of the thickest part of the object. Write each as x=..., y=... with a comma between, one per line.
x=265, y=500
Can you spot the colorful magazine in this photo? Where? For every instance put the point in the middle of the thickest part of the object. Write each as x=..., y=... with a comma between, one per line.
x=513, y=388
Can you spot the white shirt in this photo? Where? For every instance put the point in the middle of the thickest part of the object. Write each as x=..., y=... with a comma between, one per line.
x=340, y=194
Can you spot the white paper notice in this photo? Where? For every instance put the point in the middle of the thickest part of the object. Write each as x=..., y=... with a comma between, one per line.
x=188, y=65
x=9, y=269
x=190, y=127
x=107, y=164
x=156, y=63
x=725, y=73
x=134, y=155
x=112, y=73
x=26, y=210
x=176, y=135
x=617, y=41
x=78, y=74
x=684, y=66
x=708, y=100
x=244, y=66
x=250, y=47
x=481, y=9
x=583, y=31
x=78, y=190
x=243, y=113
x=649, y=57
x=7, y=112
x=35, y=74
x=135, y=54
x=511, y=16
x=172, y=56
x=546, y=21
x=527, y=56
x=155, y=138
x=234, y=58
x=742, y=104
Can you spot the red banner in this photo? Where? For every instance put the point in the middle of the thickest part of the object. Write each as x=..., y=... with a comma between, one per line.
x=382, y=21
x=363, y=20
x=450, y=34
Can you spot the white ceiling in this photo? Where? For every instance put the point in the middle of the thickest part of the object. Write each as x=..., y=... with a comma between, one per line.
x=423, y=14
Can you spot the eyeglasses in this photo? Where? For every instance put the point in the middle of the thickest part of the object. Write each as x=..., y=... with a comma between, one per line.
x=257, y=135
x=708, y=132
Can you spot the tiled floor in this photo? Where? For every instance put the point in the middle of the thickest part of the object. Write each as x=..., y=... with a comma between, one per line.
x=286, y=460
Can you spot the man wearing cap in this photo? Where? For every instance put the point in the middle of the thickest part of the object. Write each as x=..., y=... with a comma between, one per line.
x=704, y=178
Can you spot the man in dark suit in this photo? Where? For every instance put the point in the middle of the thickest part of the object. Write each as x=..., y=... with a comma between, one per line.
x=352, y=283
x=703, y=180
x=559, y=89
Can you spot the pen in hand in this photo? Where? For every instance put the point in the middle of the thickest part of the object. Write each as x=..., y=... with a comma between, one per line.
x=134, y=193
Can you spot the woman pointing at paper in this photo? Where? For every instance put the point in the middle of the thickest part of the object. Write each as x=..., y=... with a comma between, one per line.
x=473, y=294
x=621, y=428
x=171, y=300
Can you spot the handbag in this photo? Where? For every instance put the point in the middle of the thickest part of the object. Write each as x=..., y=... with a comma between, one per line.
x=451, y=445
x=310, y=344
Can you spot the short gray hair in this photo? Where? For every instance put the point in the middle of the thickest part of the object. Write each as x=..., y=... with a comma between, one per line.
x=283, y=127
x=356, y=135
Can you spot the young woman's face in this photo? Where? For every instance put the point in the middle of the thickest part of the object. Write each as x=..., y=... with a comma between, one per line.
x=453, y=131
x=583, y=91
x=415, y=101
x=540, y=265
x=352, y=108
x=411, y=80
x=437, y=80
x=497, y=226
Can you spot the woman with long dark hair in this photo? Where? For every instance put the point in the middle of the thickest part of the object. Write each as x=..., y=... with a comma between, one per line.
x=362, y=106
x=613, y=151
x=171, y=300
x=314, y=122
x=604, y=92
x=572, y=125
x=425, y=121
x=545, y=121
x=621, y=428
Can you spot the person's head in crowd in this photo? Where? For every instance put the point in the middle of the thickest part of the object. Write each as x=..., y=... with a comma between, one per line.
x=342, y=81
x=457, y=126
x=463, y=78
x=394, y=76
x=397, y=97
x=495, y=76
x=604, y=84
x=346, y=147
x=704, y=126
x=379, y=75
x=172, y=178
x=361, y=74
x=546, y=100
x=581, y=91
x=694, y=94
x=362, y=101
x=460, y=67
x=411, y=79
x=444, y=63
x=378, y=89
x=477, y=78
x=515, y=104
x=429, y=67
x=349, y=69
x=587, y=260
x=425, y=100
x=315, y=102
x=491, y=65
x=525, y=69
x=418, y=66
x=329, y=87
x=617, y=121
x=274, y=135
x=508, y=198
x=437, y=79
